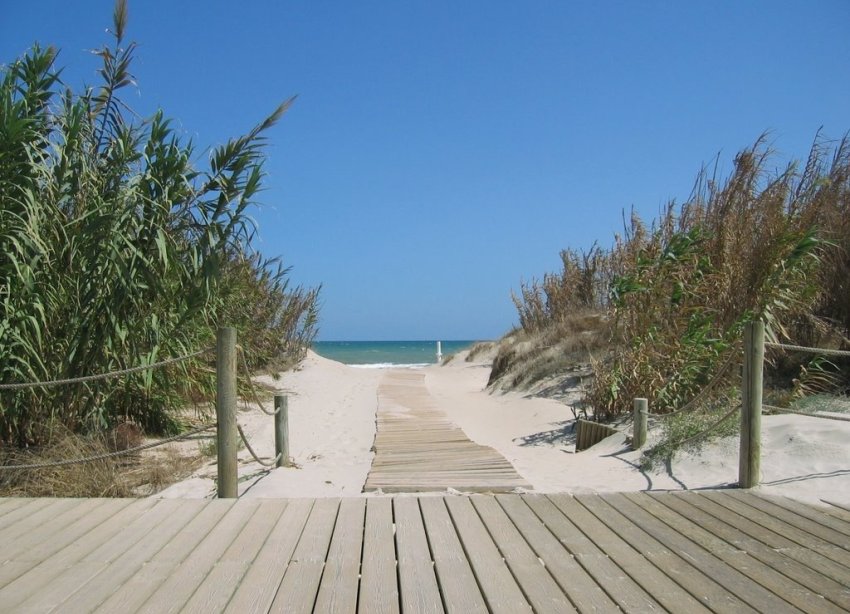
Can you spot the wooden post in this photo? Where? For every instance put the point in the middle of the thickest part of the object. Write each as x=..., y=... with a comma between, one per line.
x=225, y=409
x=641, y=411
x=749, y=460
x=281, y=429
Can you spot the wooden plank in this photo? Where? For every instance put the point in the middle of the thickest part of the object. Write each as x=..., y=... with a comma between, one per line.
x=182, y=582
x=687, y=506
x=34, y=579
x=29, y=507
x=498, y=586
x=749, y=566
x=91, y=581
x=819, y=515
x=10, y=504
x=709, y=592
x=777, y=524
x=132, y=594
x=78, y=520
x=338, y=590
x=418, y=449
x=134, y=557
x=621, y=571
x=260, y=584
x=839, y=510
x=504, y=553
x=220, y=583
x=771, y=538
x=75, y=577
x=300, y=583
x=539, y=588
x=416, y=578
x=703, y=561
x=38, y=517
x=38, y=553
x=378, y=585
x=458, y=586
x=833, y=533
x=576, y=583
x=671, y=585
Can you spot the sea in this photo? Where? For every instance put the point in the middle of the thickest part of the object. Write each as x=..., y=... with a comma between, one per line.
x=387, y=354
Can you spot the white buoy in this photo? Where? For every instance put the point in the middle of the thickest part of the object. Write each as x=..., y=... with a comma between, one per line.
x=439, y=353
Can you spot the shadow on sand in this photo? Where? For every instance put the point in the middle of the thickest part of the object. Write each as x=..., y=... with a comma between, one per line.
x=564, y=435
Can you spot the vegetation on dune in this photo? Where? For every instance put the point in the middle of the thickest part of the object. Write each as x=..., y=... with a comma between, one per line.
x=116, y=251
x=671, y=298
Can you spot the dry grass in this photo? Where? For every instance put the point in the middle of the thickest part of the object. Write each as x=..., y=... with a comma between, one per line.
x=482, y=350
x=676, y=293
x=525, y=360
x=131, y=475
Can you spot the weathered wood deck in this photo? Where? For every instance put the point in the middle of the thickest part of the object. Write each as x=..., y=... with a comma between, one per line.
x=727, y=551
x=418, y=449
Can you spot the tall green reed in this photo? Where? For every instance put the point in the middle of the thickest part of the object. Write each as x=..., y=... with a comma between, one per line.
x=115, y=251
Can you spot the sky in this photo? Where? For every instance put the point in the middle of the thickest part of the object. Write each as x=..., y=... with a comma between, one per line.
x=441, y=152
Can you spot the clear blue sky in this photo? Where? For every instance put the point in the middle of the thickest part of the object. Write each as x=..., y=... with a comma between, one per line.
x=439, y=152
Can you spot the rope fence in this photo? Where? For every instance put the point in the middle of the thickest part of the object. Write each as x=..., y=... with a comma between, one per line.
x=810, y=350
x=102, y=376
x=229, y=431
x=751, y=407
x=97, y=457
x=227, y=428
x=710, y=428
x=788, y=410
x=254, y=396
x=271, y=463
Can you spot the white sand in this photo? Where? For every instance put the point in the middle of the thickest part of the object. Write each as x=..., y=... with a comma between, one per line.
x=332, y=427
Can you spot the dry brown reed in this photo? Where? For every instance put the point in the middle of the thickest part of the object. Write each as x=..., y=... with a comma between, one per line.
x=671, y=297
x=136, y=474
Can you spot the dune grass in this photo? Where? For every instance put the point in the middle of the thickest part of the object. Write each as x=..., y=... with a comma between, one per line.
x=670, y=298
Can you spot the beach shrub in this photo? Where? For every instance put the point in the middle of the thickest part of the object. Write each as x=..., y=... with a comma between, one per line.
x=673, y=296
x=118, y=252
x=689, y=432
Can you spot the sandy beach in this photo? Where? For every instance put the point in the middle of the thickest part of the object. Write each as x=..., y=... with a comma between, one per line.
x=332, y=410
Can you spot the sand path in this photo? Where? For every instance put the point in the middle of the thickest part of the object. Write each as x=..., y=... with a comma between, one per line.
x=418, y=448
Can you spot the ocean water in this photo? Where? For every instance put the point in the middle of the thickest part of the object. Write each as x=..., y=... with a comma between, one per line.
x=385, y=354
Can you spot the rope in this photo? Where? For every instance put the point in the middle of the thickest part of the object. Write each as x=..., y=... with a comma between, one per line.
x=78, y=461
x=254, y=454
x=706, y=389
x=708, y=429
x=253, y=390
x=800, y=348
x=785, y=410
x=100, y=376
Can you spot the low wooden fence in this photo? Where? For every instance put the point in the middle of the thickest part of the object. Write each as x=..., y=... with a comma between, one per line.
x=589, y=433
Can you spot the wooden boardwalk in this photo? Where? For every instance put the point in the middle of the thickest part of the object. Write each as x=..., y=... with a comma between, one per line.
x=418, y=449
x=725, y=551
